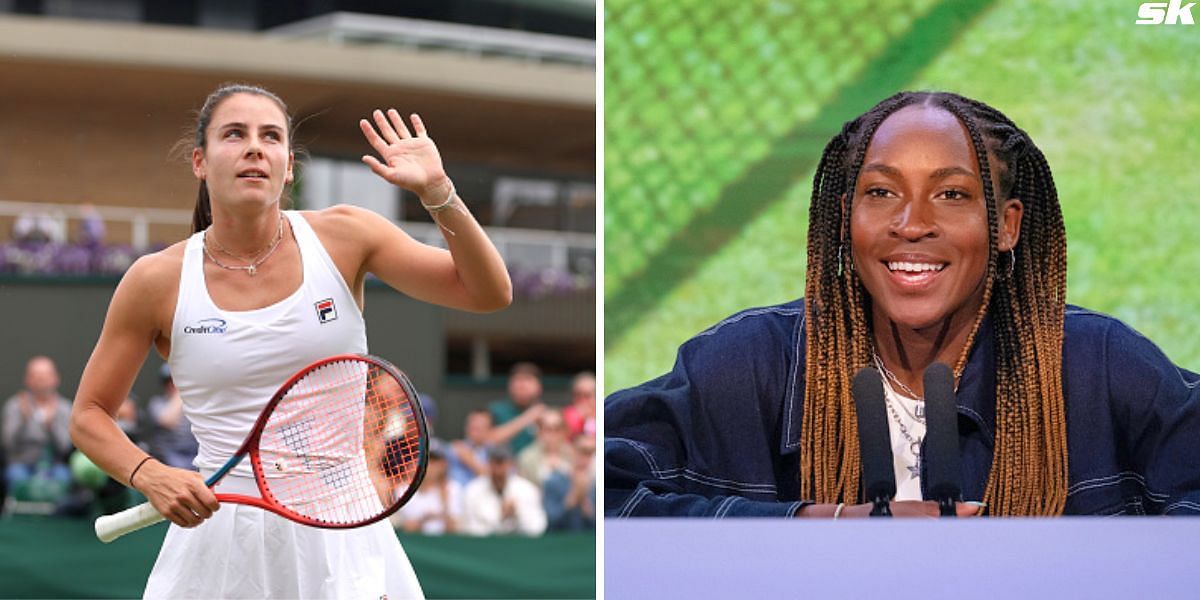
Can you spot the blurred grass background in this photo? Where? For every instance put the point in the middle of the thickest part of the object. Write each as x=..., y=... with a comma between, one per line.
x=716, y=113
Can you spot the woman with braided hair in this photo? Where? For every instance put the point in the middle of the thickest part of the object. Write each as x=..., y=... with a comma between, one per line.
x=935, y=235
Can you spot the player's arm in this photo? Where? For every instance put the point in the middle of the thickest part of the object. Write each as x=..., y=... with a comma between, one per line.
x=471, y=275
x=472, y=279
x=130, y=328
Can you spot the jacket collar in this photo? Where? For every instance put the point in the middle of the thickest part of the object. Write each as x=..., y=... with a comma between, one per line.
x=977, y=388
x=976, y=395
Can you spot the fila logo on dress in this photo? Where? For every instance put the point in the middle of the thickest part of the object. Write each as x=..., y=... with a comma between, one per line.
x=326, y=311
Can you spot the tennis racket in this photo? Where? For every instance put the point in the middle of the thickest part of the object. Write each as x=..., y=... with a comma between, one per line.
x=342, y=444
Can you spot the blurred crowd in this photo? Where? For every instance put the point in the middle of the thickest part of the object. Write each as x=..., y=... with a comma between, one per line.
x=522, y=467
x=44, y=474
x=42, y=471
x=40, y=245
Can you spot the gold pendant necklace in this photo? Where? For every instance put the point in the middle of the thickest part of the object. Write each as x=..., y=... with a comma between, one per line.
x=250, y=269
x=252, y=257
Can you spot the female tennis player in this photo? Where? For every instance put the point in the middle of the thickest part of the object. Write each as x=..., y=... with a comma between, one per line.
x=935, y=236
x=255, y=294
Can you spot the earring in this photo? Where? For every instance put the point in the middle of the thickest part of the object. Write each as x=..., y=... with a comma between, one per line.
x=1012, y=261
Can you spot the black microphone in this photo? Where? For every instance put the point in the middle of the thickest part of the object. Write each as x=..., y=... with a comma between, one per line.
x=941, y=455
x=874, y=441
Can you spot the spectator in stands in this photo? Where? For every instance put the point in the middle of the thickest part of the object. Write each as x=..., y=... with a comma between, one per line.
x=468, y=456
x=129, y=419
x=502, y=502
x=570, y=497
x=76, y=258
x=36, y=428
x=93, y=489
x=113, y=496
x=549, y=453
x=436, y=507
x=514, y=417
x=171, y=439
x=37, y=239
x=91, y=231
x=36, y=229
x=580, y=415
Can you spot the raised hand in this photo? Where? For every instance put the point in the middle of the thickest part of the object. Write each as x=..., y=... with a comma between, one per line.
x=409, y=161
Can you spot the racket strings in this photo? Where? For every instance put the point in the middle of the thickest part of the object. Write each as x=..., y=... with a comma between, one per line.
x=342, y=446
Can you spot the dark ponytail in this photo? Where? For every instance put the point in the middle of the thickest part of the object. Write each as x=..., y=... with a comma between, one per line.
x=202, y=215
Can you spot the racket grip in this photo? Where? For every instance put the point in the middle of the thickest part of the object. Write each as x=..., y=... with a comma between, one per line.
x=111, y=527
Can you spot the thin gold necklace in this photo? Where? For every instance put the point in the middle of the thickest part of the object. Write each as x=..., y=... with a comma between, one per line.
x=252, y=257
x=252, y=268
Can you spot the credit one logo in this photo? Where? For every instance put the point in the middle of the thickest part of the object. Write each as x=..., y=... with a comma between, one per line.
x=1164, y=13
x=206, y=326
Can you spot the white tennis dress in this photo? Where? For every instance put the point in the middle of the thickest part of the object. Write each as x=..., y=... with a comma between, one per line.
x=227, y=365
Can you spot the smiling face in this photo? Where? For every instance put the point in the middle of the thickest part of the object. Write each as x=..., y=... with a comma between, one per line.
x=246, y=156
x=919, y=225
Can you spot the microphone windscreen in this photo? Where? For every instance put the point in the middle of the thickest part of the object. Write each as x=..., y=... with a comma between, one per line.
x=941, y=453
x=874, y=438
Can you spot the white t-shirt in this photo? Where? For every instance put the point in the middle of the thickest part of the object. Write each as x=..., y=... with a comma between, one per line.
x=482, y=515
x=905, y=450
x=427, y=501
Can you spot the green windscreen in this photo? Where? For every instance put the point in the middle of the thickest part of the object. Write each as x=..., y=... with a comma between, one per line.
x=716, y=114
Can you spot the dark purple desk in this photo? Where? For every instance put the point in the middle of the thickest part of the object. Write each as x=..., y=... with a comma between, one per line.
x=1014, y=559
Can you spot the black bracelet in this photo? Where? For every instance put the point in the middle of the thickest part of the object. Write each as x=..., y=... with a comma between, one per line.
x=135, y=469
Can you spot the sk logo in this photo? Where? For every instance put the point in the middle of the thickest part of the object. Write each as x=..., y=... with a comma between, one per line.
x=1160, y=13
x=326, y=311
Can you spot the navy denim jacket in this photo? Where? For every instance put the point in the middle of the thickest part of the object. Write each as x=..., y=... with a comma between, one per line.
x=719, y=435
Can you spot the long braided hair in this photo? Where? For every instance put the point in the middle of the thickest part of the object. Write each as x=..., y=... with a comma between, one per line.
x=1029, y=466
